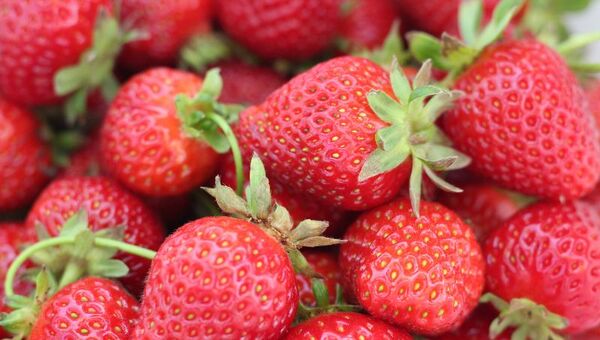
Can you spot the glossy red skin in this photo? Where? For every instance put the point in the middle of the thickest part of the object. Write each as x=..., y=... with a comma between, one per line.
x=37, y=39
x=167, y=26
x=219, y=277
x=85, y=161
x=476, y=327
x=24, y=158
x=299, y=206
x=368, y=23
x=142, y=142
x=346, y=325
x=291, y=29
x=304, y=134
x=247, y=84
x=108, y=205
x=324, y=263
x=482, y=206
x=548, y=253
x=13, y=236
x=593, y=96
x=92, y=307
x=389, y=264
x=523, y=122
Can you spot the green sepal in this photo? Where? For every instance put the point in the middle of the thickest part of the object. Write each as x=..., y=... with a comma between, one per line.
x=205, y=49
x=227, y=200
x=530, y=320
x=424, y=46
x=469, y=20
x=258, y=193
x=392, y=48
x=503, y=14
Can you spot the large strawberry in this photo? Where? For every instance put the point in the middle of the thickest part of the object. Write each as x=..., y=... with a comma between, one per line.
x=108, y=205
x=156, y=148
x=344, y=325
x=24, y=159
x=164, y=28
x=424, y=274
x=593, y=96
x=293, y=29
x=346, y=133
x=522, y=117
x=546, y=256
x=89, y=308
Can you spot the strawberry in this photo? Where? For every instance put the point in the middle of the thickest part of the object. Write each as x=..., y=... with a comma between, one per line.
x=13, y=236
x=108, y=205
x=342, y=120
x=476, y=327
x=247, y=84
x=165, y=28
x=325, y=264
x=593, y=96
x=143, y=142
x=292, y=29
x=89, y=308
x=24, y=159
x=482, y=206
x=85, y=161
x=424, y=274
x=544, y=261
x=368, y=22
x=346, y=325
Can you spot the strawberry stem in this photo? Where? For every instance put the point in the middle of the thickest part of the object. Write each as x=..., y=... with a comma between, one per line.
x=235, y=150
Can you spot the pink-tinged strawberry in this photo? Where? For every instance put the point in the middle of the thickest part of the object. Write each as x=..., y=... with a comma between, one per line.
x=108, y=205
x=247, y=84
x=325, y=264
x=158, y=148
x=593, y=96
x=164, y=28
x=24, y=159
x=482, y=206
x=368, y=22
x=522, y=117
x=542, y=267
x=476, y=327
x=346, y=325
x=291, y=29
x=89, y=308
x=424, y=274
x=347, y=133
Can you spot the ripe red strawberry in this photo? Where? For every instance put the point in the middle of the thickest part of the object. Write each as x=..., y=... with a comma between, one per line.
x=293, y=29
x=476, y=327
x=522, y=120
x=247, y=84
x=219, y=277
x=107, y=205
x=166, y=27
x=368, y=22
x=548, y=254
x=482, y=206
x=423, y=274
x=325, y=264
x=593, y=96
x=346, y=325
x=143, y=143
x=39, y=38
x=13, y=236
x=89, y=308
x=24, y=159
x=338, y=133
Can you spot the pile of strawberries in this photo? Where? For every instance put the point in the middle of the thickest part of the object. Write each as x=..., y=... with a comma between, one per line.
x=298, y=169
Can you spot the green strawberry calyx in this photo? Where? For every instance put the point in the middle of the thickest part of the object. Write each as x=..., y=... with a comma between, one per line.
x=258, y=207
x=95, y=67
x=530, y=320
x=453, y=54
x=413, y=132
x=204, y=118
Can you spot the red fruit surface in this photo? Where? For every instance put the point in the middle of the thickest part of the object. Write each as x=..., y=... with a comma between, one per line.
x=482, y=206
x=422, y=274
x=346, y=325
x=24, y=159
x=91, y=308
x=476, y=327
x=316, y=132
x=142, y=142
x=166, y=25
x=108, y=205
x=523, y=122
x=85, y=161
x=549, y=253
x=324, y=263
x=13, y=236
x=293, y=29
x=593, y=96
x=219, y=277
x=37, y=39
x=368, y=23
x=247, y=84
